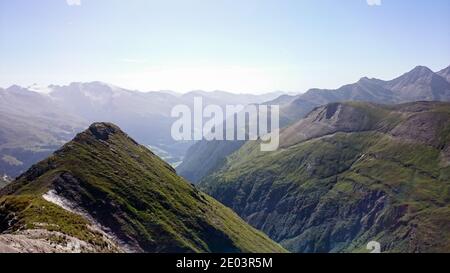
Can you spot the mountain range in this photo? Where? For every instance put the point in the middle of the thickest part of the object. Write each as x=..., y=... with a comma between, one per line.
x=369, y=161
x=103, y=192
x=36, y=122
x=346, y=174
x=419, y=84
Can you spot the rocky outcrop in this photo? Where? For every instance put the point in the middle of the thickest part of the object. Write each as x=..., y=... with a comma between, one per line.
x=44, y=241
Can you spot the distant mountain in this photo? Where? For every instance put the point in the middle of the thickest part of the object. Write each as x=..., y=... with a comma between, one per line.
x=34, y=124
x=103, y=192
x=347, y=174
x=145, y=115
x=445, y=73
x=419, y=84
x=223, y=98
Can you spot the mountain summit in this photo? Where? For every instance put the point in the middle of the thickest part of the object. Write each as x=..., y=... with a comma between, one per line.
x=103, y=192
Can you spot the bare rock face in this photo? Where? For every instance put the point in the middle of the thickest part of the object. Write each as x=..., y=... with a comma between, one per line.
x=102, y=130
x=44, y=241
x=422, y=127
x=329, y=119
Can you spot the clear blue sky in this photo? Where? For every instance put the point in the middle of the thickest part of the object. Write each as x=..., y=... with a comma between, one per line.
x=240, y=46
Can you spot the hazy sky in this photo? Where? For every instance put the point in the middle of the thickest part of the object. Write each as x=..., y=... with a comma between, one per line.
x=234, y=45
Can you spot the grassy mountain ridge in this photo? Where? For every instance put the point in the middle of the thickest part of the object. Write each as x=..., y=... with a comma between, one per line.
x=347, y=174
x=136, y=196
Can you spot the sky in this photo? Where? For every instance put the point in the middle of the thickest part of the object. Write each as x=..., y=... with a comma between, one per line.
x=246, y=46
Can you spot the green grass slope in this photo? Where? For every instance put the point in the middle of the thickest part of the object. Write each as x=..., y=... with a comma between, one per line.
x=127, y=189
x=351, y=173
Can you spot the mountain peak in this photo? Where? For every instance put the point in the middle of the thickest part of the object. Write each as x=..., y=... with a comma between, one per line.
x=408, y=82
x=445, y=73
x=364, y=79
x=15, y=88
x=103, y=130
x=447, y=69
x=421, y=70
